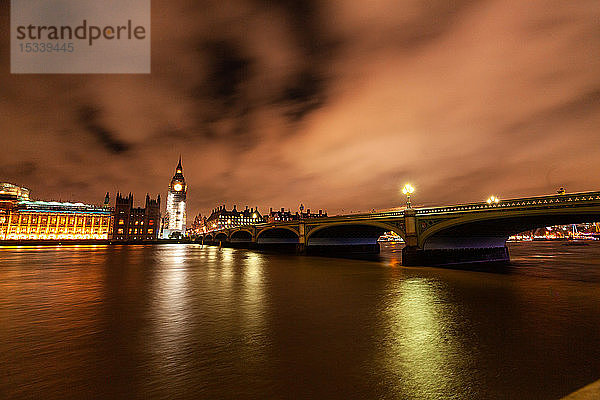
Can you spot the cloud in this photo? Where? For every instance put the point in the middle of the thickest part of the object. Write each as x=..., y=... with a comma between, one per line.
x=89, y=119
x=329, y=103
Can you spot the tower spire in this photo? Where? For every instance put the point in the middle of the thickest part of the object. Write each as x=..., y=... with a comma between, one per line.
x=179, y=167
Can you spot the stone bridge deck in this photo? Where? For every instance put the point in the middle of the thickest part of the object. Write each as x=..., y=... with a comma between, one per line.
x=464, y=233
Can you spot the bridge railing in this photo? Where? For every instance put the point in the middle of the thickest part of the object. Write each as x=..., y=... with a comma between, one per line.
x=549, y=201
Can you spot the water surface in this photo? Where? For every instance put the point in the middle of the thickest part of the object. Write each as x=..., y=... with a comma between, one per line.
x=190, y=322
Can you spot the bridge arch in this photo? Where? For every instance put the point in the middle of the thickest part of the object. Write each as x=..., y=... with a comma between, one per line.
x=242, y=235
x=492, y=229
x=278, y=235
x=221, y=237
x=350, y=233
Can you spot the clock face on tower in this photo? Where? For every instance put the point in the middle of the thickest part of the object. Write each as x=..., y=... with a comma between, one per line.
x=178, y=187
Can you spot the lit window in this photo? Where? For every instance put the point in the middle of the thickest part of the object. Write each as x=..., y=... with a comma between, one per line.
x=120, y=230
x=150, y=230
x=121, y=222
x=142, y=223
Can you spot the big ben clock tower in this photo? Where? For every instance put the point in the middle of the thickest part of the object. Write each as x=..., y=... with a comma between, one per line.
x=175, y=216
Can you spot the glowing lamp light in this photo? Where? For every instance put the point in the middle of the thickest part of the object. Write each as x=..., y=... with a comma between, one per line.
x=493, y=200
x=407, y=190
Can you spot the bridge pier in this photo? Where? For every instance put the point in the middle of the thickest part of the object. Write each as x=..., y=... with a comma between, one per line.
x=410, y=222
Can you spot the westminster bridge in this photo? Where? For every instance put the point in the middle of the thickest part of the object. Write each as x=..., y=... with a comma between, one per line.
x=465, y=233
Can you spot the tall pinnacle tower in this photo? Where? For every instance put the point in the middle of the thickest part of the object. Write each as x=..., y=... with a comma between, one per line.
x=175, y=217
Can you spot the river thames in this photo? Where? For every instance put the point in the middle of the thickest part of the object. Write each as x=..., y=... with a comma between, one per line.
x=193, y=322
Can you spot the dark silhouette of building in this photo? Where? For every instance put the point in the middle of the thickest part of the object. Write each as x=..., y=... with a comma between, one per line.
x=282, y=215
x=136, y=223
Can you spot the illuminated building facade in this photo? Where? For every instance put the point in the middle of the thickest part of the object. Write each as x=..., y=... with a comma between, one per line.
x=10, y=192
x=198, y=226
x=175, y=218
x=222, y=218
x=24, y=219
x=135, y=224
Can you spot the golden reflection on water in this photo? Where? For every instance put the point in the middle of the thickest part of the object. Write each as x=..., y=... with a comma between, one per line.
x=224, y=267
x=420, y=353
x=229, y=288
x=253, y=304
x=170, y=309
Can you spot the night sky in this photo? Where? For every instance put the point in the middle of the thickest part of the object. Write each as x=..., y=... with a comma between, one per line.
x=335, y=104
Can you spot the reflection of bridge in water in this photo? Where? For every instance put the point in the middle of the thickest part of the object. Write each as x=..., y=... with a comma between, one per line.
x=466, y=233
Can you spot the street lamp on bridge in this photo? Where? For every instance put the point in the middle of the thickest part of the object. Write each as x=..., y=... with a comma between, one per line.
x=492, y=199
x=408, y=189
